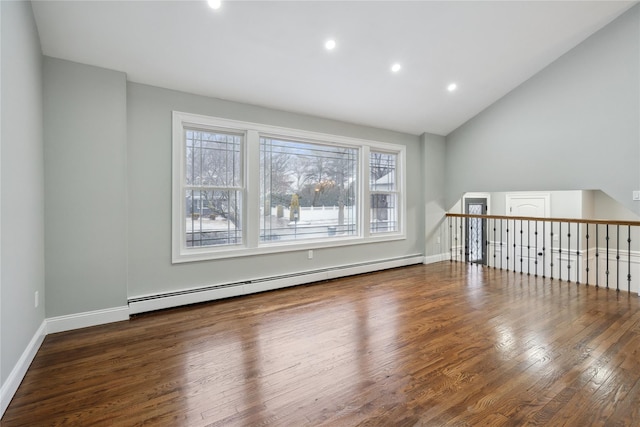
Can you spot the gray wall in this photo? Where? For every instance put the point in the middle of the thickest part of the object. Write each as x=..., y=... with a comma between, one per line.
x=85, y=191
x=149, y=192
x=573, y=126
x=433, y=181
x=605, y=207
x=22, y=184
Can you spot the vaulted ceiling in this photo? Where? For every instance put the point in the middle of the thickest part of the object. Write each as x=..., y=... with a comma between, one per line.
x=272, y=53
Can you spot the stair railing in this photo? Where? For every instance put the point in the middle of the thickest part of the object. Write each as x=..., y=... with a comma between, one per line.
x=604, y=253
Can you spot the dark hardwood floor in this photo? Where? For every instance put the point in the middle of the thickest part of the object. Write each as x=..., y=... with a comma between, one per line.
x=434, y=345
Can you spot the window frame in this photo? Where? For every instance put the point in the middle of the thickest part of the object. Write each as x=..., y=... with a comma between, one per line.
x=250, y=158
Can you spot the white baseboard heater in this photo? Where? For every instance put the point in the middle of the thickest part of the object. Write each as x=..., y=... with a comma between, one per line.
x=160, y=301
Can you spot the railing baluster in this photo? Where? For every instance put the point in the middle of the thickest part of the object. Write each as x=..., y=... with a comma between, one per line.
x=521, y=246
x=569, y=252
x=451, y=239
x=617, y=258
x=577, y=253
x=460, y=244
x=514, y=245
x=587, y=260
x=560, y=251
x=494, y=243
x=597, y=257
x=544, y=255
x=528, y=247
x=488, y=240
x=507, y=246
x=535, y=255
x=551, y=228
x=629, y=258
x=501, y=227
x=454, y=242
x=467, y=237
x=607, y=270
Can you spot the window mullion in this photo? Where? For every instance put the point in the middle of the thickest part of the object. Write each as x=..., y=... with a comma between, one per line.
x=252, y=195
x=401, y=175
x=178, y=181
x=365, y=199
x=212, y=187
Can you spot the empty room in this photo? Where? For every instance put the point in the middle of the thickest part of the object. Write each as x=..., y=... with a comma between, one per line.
x=319, y=213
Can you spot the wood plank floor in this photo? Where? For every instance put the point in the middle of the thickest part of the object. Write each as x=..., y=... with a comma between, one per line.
x=434, y=345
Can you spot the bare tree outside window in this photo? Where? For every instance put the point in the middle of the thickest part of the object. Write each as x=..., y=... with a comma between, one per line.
x=320, y=176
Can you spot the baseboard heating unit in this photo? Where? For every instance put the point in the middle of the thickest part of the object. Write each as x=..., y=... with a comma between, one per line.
x=160, y=301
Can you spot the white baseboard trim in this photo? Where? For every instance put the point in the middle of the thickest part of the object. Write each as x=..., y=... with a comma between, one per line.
x=86, y=319
x=18, y=372
x=51, y=326
x=436, y=258
x=147, y=303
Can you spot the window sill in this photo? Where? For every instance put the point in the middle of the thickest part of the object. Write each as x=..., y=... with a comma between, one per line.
x=208, y=254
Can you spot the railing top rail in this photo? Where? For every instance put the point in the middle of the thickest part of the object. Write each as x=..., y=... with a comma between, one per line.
x=548, y=219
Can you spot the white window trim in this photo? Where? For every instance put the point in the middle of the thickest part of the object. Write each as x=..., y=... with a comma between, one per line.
x=251, y=182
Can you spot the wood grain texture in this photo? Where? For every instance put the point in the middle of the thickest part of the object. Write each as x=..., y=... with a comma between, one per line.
x=441, y=344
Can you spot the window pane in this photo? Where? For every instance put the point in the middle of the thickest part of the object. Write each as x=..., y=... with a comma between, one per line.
x=382, y=168
x=307, y=190
x=214, y=217
x=383, y=189
x=213, y=159
x=383, y=213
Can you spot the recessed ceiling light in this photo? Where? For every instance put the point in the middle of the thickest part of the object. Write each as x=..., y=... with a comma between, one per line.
x=396, y=67
x=330, y=44
x=452, y=87
x=214, y=4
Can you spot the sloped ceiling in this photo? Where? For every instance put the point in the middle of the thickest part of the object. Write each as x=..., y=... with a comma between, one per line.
x=271, y=53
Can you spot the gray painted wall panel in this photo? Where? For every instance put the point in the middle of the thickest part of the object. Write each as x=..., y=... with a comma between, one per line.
x=22, y=188
x=433, y=162
x=85, y=191
x=573, y=126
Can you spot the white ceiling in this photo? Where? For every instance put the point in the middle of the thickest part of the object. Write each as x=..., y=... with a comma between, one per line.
x=271, y=53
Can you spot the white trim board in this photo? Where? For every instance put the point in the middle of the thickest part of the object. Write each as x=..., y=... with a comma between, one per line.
x=437, y=258
x=86, y=319
x=51, y=326
x=18, y=372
